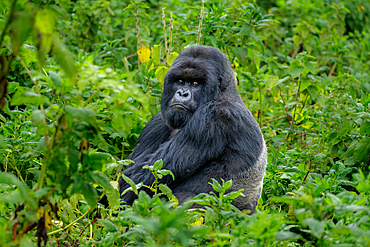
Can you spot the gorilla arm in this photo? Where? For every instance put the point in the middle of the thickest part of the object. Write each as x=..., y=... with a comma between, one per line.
x=154, y=134
x=203, y=138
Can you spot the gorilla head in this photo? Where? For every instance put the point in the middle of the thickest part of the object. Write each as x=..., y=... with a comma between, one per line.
x=198, y=75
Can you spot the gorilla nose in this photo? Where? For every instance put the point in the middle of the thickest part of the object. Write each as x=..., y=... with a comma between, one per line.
x=182, y=95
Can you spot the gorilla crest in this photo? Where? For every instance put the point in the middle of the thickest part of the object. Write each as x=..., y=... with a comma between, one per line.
x=204, y=131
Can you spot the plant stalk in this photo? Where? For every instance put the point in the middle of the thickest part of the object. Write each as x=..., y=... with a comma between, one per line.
x=200, y=23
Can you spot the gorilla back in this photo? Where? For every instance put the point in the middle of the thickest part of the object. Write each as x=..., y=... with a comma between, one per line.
x=203, y=131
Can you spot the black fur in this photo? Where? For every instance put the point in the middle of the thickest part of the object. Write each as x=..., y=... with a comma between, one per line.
x=203, y=131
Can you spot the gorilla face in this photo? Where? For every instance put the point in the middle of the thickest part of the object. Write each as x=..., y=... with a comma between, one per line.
x=182, y=98
x=191, y=82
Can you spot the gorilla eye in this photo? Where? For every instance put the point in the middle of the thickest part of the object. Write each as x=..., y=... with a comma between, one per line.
x=195, y=83
x=180, y=81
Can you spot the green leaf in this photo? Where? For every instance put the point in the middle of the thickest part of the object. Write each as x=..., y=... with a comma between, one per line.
x=108, y=225
x=55, y=78
x=171, y=58
x=21, y=26
x=90, y=194
x=310, y=66
x=81, y=113
x=168, y=192
x=317, y=227
x=228, y=184
x=158, y=165
x=296, y=69
x=314, y=92
x=251, y=65
x=97, y=160
x=365, y=127
x=113, y=196
x=2, y=143
x=216, y=185
x=235, y=194
x=286, y=235
x=10, y=179
x=156, y=53
x=245, y=30
x=12, y=87
x=23, y=97
x=362, y=149
x=64, y=58
x=259, y=42
x=100, y=178
x=37, y=117
x=127, y=22
x=131, y=183
x=167, y=172
x=305, y=84
x=160, y=73
x=241, y=53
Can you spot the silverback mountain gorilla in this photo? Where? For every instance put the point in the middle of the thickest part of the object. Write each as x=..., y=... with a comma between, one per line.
x=203, y=131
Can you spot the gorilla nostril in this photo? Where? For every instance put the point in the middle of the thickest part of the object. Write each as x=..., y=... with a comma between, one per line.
x=185, y=95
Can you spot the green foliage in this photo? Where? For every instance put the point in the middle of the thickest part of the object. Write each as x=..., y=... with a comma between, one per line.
x=74, y=98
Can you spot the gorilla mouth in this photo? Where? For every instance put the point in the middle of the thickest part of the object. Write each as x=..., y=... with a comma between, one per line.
x=178, y=106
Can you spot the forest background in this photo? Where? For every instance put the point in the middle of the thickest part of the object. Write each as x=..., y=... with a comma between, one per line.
x=80, y=79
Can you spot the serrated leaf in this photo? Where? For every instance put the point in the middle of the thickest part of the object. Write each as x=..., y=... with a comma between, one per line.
x=286, y=235
x=241, y=53
x=127, y=35
x=171, y=58
x=90, y=194
x=296, y=69
x=64, y=58
x=55, y=78
x=24, y=191
x=156, y=53
x=160, y=73
x=245, y=30
x=127, y=22
x=362, y=149
x=101, y=179
x=251, y=65
x=20, y=28
x=144, y=54
x=108, y=225
x=305, y=84
x=158, y=165
x=317, y=227
x=310, y=66
x=235, y=194
x=365, y=127
x=259, y=42
x=22, y=97
x=165, y=172
x=216, y=185
x=314, y=92
x=228, y=184
x=131, y=183
x=37, y=117
x=81, y=113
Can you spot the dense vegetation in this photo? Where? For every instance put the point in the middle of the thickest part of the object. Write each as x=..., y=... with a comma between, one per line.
x=74, y=96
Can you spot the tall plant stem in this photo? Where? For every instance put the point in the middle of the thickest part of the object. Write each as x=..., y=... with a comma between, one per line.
x=200, y=23
x=164, y=33
x=170, y=39
x=296, y=98
x=138, y=34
